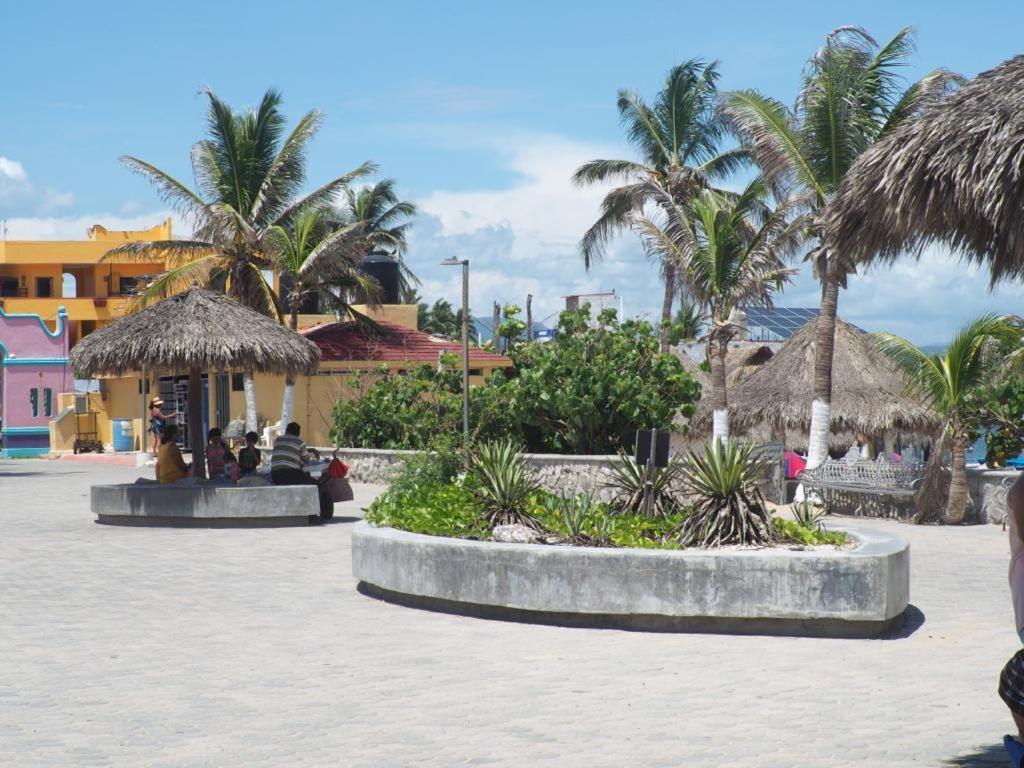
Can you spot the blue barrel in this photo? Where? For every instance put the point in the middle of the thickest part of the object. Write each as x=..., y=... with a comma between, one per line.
x=124, y=437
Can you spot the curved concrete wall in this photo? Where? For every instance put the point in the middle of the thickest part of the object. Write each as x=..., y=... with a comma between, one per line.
x=860, y=591
x=211, y=504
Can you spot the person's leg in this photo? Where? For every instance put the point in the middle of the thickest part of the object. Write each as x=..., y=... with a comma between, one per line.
x=1011, y=691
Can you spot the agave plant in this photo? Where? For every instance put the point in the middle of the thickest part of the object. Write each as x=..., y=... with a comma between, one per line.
x=501, y=480
x=808, y=516
x=728, y=507
x=627, y=482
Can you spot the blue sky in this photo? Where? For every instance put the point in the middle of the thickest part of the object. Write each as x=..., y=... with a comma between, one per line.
x=479, y=110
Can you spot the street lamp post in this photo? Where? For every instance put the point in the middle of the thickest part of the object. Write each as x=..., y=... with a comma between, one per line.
x=453, y=262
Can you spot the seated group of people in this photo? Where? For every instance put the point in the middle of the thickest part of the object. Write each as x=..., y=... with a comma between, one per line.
x=287, y=460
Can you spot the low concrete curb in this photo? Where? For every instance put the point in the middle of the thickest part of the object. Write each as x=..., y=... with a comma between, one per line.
x=209, y=506
x=859, y=592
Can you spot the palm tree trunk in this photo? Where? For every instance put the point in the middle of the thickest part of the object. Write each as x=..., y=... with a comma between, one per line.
x=251, y=418
x=824, y=347
x=719, y=398
x=956, y=505
x=666, y=304
x=195, y=423
x=288, y=402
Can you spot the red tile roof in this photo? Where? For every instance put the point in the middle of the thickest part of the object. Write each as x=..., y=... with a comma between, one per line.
x=350, y=341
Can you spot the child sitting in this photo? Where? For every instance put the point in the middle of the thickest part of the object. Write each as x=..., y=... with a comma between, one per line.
x=219, y=460
x=249, y=457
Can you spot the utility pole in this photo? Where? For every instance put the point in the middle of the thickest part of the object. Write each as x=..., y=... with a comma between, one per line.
x=529, y=318
x=495, y=322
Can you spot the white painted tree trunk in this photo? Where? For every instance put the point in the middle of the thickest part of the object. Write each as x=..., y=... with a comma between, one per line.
x=251, y=419
x=287, y=402
x=817, y=449
x=720, y=426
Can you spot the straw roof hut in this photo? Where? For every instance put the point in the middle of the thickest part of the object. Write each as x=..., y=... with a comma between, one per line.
x=194, y=331
x=739, y=361
x=868, y=395
x=954, y=175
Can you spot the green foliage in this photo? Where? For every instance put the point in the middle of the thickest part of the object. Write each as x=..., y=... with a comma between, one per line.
x=502, y=483
x=595, y=384
x=628, y=479
x=790, y=530
x=687, y=323
x=440, y=463
x=808, y=516
x=998, y=410
x=729, y=507
x=587, y=391
x=436, y=509
x=582, y=520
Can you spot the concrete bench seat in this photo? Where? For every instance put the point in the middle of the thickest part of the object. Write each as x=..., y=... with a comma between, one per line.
x=209, y=506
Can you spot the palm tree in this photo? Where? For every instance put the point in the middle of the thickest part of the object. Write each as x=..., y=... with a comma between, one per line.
x=945, y=382
x=385, y=220
x=316, y=255
x=677, y=139
x=727, y=253
x=248, y=175
x=851, y=96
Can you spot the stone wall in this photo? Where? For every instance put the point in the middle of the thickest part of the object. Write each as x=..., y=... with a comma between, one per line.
x=988, y=494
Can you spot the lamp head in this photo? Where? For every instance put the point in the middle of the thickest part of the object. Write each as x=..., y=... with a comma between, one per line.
x=451, y=261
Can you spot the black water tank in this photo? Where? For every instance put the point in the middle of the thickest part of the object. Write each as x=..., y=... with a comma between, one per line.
x=383, y=267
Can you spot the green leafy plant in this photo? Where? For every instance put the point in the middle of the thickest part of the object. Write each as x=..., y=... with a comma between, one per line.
x=628, y=479
x=808, y=516
x=502, y=482
x=729, y=508
x=443, y=459
x=789, y=530
x=436, y=509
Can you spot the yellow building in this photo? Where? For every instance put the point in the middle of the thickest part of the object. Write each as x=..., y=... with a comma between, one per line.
x=38, y=276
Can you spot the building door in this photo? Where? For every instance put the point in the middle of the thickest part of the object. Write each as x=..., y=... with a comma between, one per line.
x=223, y=400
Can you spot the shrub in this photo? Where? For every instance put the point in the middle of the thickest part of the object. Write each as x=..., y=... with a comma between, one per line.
x=729, y=507
x=502, y=483
x=808, y=516
x=444, y=459
x=792, y=531
x=437, y=509
x=628, y=479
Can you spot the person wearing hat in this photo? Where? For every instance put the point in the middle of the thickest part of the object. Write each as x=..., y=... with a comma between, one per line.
x=157, y=421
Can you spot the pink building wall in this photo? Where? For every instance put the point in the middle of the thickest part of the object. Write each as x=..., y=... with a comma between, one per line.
x=32, y=357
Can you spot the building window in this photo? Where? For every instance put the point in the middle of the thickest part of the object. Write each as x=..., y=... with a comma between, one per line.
x=33, y=402
x=237, y=382
x=128, y=285
x=44, y=287
x=48, y=402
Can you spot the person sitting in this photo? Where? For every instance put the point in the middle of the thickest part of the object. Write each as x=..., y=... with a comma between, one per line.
x=249, y=458
x=170, y=466
x=218, y=457
x=286, y=468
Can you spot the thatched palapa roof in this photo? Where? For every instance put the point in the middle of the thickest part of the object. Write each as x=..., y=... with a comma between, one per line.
x=954, y=175
x=195, y=329
x=739, y=361
x=868, y=393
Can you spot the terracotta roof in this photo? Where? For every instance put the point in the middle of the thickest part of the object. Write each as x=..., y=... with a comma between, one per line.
x=392, y=343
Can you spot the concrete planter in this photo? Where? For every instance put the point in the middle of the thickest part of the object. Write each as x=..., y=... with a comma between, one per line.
x=213, y=506
x=859, y=592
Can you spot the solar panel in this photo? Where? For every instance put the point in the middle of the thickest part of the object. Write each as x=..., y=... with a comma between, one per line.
x=778, y=323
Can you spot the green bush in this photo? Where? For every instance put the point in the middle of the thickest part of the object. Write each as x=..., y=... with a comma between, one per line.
x=586, y=391
x=443, y=460
x=437, y=509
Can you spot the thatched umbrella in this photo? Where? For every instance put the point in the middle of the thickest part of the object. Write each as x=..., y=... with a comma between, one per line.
x=868, y=396
x=194, y=331
x=739, y=361
x=954, y=175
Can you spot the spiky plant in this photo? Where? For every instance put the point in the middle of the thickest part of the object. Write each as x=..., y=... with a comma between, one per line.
x=728, y=507
x=627, y=483
x=500, y=478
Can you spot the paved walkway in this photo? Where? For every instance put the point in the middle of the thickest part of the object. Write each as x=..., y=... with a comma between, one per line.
x=161, y=647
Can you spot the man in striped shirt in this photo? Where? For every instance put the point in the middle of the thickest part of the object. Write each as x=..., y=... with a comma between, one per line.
x=286, y=468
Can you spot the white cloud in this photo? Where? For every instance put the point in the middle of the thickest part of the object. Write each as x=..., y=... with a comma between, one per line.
x=12, y=169
x=523, y=239
x=75, y=227
x=18, y=192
